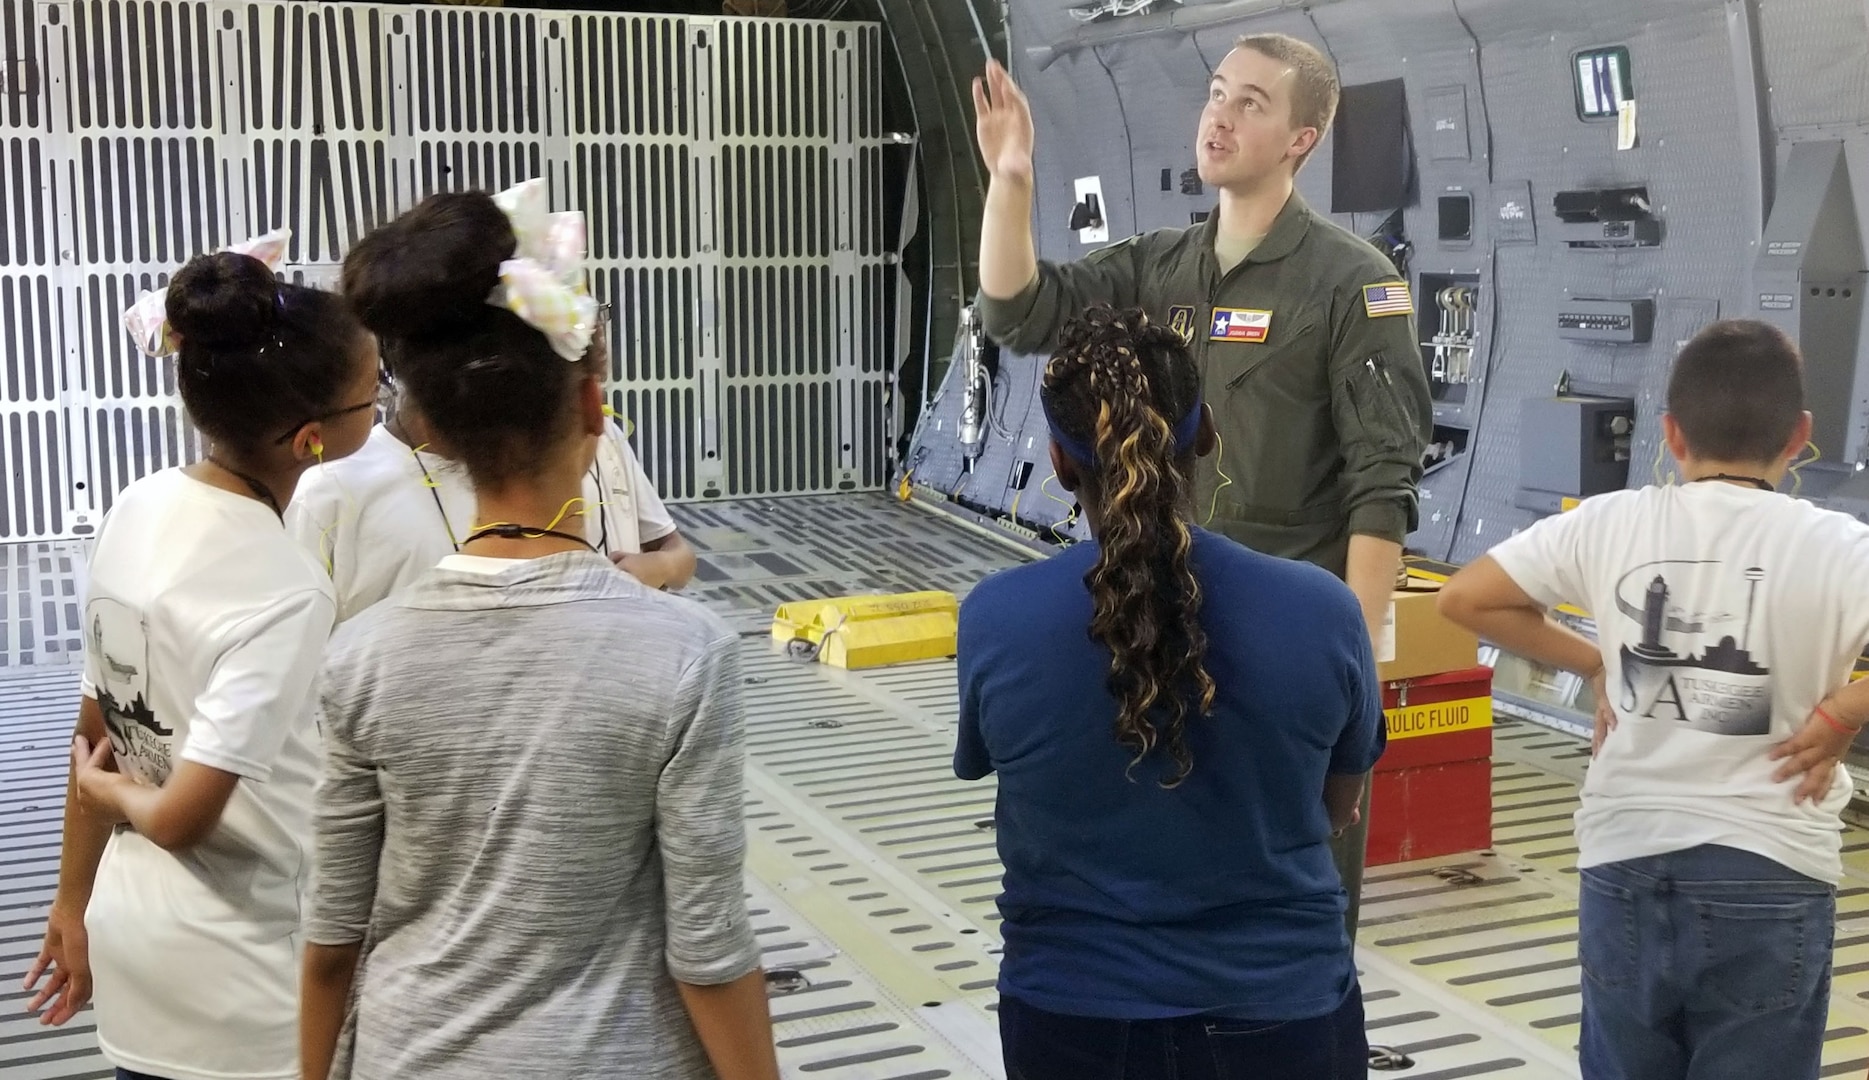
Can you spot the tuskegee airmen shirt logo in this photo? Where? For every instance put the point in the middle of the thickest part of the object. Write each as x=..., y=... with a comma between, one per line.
x=1240, y=324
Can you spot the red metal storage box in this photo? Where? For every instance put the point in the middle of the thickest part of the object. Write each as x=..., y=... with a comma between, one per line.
x=1432, y=793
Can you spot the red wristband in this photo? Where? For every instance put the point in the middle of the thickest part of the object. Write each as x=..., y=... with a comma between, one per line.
x=1833, y=722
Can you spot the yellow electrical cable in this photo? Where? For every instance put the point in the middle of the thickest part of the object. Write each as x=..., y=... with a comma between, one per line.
x=1661, y=447
x=348, y=503
x=1797, y=477
x=1072, y=507
x=629, y=426
x=1220, y=453
x=1045, y=491
x=564, y=512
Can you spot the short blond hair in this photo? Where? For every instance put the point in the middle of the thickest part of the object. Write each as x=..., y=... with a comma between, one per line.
x=1315, y=88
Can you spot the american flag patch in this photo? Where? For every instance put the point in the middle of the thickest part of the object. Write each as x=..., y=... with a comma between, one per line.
x=1390, y=298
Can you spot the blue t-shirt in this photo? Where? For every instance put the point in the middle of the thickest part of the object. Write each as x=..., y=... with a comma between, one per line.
x=1129, y=901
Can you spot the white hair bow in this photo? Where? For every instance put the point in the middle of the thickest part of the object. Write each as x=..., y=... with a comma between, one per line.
x=543, y=283
x=147, y=320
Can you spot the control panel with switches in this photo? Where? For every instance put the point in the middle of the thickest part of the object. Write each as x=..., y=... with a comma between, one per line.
x=1615, y=321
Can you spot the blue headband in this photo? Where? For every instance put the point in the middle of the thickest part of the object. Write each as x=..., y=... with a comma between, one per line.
x=1085, y=455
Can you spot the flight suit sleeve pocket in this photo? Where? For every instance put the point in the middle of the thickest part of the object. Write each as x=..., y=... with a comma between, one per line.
x=1378, y=405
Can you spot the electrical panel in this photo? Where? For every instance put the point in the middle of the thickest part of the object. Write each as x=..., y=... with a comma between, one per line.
x=1573, y=446
x=1610, y=234
x=1606, y=218
x=1617, y=321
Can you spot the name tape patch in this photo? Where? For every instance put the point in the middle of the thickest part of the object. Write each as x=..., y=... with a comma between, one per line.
x=1240, y=324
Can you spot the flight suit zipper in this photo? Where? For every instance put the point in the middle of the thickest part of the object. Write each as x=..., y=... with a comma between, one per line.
x=1265, y=352
x=1380, y=370
x=1256, y=365
x=1392, y=418
x=1385, y=390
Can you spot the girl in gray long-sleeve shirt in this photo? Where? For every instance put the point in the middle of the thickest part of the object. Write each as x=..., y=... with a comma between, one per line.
x=531, y=807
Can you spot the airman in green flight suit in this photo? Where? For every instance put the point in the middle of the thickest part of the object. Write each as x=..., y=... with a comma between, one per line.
x=1304, y=332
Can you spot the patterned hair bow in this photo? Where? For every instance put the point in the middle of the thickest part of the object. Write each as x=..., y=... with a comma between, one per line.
x=147, y=320
x=543, y=283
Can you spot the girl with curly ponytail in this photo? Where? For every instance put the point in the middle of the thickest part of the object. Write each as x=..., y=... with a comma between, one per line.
x=1145, y=599
x=1179, y=724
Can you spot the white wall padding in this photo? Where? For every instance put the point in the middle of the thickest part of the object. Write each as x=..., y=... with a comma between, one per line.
x=730, y=168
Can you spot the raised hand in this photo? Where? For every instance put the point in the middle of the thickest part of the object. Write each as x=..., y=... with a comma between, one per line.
x=1003, y=124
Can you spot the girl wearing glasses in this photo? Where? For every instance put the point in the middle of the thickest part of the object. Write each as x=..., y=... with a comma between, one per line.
x=384, y=516
x=189, y=809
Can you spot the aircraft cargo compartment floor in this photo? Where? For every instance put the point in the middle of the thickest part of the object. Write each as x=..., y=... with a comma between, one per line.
x=871, y=869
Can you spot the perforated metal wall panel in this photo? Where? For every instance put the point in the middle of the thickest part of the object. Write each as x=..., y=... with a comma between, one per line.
x=33, y=425
x=730, y=169
x=796, y=264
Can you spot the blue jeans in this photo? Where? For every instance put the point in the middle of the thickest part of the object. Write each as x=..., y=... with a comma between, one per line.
x=1040, y=1045
x=1704, y=964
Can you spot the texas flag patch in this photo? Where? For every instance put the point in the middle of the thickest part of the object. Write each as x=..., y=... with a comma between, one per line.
x=1240, y=324
x=1389, y=298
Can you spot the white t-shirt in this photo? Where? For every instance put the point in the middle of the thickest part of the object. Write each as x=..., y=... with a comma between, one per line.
x=1230, y=250
x=204, y=628
x=384, y=516
x=1725, y=614
x=380, y=518
x=632, y=513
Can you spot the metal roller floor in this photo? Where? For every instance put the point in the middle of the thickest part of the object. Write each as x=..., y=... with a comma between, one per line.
x=872, y=870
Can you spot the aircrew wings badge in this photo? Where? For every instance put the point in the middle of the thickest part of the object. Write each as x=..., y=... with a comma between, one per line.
x=1388, y=298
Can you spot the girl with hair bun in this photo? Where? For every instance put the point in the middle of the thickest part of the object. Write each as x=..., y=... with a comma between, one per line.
x=189, y=807
x=386, y=515
x=1179, y=725
x=529, y=839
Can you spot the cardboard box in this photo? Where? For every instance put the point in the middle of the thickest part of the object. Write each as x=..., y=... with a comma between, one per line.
x=1432, y=792
x=1416, y=641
